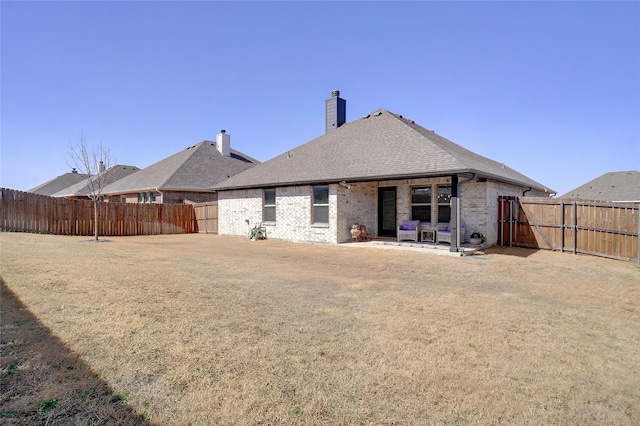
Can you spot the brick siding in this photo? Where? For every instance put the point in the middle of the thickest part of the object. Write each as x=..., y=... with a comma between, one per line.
x=239, y=210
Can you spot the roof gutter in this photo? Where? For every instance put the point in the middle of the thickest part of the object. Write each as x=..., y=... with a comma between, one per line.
x=374, y=179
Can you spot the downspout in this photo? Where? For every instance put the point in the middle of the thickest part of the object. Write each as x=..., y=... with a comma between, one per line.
x=473, y=177
x=161, y=196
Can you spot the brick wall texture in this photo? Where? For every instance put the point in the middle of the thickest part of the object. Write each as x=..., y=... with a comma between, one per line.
x=239, y=210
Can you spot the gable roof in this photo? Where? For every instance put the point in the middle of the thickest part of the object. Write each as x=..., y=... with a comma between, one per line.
x=58, y=183
x=612, y=186
x=195, y=168
x=379, y=146
x=114, y=173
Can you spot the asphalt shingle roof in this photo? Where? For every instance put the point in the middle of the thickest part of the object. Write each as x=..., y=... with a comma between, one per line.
x=81, y=188
x=379, y=146
x=612, y=186
x=58, y=183
x=195, y=168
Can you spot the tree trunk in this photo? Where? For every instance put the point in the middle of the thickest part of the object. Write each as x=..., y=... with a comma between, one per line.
x=95, y=218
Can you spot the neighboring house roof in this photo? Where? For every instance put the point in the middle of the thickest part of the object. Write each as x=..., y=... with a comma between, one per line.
x=195, y=168
x=379, y=146
x=82, y=188
x=612, y=186
x=59, y=183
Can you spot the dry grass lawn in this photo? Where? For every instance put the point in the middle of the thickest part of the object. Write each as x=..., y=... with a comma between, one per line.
x=212, y=330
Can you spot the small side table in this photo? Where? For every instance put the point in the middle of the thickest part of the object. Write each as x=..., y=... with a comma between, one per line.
x=429, y=235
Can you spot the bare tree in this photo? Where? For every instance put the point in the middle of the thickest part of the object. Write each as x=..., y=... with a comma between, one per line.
x=95, y=162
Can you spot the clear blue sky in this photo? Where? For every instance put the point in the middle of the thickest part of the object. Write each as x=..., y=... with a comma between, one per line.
x=552, y=89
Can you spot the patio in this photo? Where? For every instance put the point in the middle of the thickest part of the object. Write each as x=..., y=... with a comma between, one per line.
x=393, y=244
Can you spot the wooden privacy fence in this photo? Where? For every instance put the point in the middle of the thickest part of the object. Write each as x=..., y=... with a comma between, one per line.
x=576, y=226
x=41, y=214
x=207, y=217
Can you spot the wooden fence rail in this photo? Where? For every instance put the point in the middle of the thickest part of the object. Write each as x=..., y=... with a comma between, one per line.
x=41, y=214
x=577, y=226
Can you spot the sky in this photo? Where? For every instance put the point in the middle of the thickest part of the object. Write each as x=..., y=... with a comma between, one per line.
x=551, y=89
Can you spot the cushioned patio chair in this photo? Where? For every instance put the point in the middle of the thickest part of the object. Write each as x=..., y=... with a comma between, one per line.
x=409, y=230
x=445, y=236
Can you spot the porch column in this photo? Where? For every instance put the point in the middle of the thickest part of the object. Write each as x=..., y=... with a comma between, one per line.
x=455, y=215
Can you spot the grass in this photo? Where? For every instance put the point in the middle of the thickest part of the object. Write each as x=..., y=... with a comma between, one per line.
x=202, y=329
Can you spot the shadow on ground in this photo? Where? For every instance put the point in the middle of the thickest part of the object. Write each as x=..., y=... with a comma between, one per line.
x=42, y=381
x=511, y=251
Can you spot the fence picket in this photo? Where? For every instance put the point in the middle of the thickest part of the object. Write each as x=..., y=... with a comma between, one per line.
x=27, y=212
x=581, y=226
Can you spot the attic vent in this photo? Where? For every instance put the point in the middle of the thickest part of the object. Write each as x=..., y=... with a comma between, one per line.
x=377, y=114
x=366, y=116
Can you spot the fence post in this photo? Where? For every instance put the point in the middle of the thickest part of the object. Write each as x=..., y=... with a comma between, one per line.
x=574, y=206
x=561, y=226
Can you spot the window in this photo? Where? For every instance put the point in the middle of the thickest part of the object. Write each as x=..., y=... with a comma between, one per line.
x=444, y=204
x=140, y=197
x=321, y=204
x=269, y=214
x=123, y=198
x=421, y=204
x=146, y=197
x=153, y=197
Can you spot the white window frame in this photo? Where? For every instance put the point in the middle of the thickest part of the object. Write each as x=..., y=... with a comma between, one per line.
x=315, y=205
x=443, y=203
x=266, y=207
x=430, y=203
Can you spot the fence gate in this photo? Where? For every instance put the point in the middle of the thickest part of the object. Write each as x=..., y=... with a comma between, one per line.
x=207, y=217
x=576, y=226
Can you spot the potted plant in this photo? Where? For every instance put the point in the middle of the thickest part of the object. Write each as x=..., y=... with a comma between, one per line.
x=476, y=238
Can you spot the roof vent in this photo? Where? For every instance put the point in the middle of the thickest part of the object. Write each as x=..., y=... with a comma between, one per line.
x=335, y=93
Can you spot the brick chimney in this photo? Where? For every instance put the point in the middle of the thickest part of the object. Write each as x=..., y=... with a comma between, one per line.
x=223, y=143
x=336, y=111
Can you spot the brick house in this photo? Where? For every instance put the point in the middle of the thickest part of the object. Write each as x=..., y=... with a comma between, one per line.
x=184, y=176
x=59, y=183
x=377, y=170
x=82, y=189
x=618, y=187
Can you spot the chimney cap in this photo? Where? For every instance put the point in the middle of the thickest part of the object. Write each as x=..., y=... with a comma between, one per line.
x=223, y=131
x=335, y=93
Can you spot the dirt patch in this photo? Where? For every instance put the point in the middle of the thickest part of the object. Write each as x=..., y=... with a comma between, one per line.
x=202, y=329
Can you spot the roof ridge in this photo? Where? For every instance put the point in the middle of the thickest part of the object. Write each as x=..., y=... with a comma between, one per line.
x=429, y=133
x=197, y=147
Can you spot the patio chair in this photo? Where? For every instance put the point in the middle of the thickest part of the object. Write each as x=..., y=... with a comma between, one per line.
x=409, y=230
x=445, y=236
